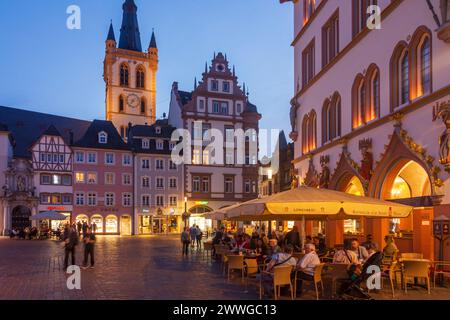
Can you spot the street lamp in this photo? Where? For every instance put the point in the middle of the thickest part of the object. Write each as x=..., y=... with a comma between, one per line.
x=269, y=178
x=185, y=213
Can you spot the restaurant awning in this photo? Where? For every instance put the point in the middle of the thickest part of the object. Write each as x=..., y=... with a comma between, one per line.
x=49, y=215
x=220, y=214
x=316, y=204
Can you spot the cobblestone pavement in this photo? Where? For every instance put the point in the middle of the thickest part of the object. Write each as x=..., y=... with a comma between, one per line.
x=129, y=268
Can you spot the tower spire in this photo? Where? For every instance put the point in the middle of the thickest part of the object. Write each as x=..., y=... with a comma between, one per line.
x=153, y=41
x=195, y=83
x=111, y=35
x=130, y=37
x=206, y=67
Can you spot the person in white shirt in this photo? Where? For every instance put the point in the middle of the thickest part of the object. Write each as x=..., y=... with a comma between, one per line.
x=307, y=265
x=282, y=259
x=361, y=251
x=346, y=255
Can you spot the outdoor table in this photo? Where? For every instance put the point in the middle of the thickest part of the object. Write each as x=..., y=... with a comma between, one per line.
x=415, y=279
x=333, y=272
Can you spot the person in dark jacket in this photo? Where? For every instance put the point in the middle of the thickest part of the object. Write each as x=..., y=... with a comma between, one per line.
x=71, y=243
x=89, y=242
x=185, y=240
x=293, y=238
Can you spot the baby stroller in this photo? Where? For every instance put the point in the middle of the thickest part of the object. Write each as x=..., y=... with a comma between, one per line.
x=351, y=289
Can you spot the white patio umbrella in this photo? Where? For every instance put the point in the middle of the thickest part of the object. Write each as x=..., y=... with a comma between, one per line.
x=220, y=214
x=316, y=204
x=49, y=215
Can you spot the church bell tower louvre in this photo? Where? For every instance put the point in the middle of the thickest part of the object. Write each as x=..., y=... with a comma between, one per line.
x=130, y=74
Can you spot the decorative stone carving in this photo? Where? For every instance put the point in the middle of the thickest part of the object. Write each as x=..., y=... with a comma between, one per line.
x=442, y=111
x=324, y=179
x=444, y=29
x=311, y=179
x=293, y=116
x=21, y=184
x=366, y=169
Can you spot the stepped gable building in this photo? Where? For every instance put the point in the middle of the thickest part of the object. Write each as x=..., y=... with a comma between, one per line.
x=217, y=102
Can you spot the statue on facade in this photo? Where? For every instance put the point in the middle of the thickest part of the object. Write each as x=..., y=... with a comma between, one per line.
x=366, y=169
x=293, y=116
x=442, y=111
x=21, y=184
x=324, y=179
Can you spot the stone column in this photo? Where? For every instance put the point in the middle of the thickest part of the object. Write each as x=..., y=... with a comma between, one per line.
x=34, y=223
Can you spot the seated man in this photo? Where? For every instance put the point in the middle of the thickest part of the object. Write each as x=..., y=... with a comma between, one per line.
x=346, y=255
x=361, y=251
x=278, y=259
x=307, y=264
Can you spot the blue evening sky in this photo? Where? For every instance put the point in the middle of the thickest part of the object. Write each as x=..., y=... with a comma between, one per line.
x=46, y=67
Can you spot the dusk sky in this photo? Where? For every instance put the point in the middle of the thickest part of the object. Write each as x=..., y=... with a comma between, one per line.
x=46, y=67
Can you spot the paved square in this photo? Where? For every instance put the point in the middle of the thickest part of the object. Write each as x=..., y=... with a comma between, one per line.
x=129, y=268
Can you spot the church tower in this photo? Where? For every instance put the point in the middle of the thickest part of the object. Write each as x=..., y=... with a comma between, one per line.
x=130, y=74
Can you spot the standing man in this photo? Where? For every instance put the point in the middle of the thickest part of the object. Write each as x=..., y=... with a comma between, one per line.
x=185, y=240
x=199, y=236
x=84, y=228
x=94, y=227
x=71, y=243
x=293, y=238
x=193, y=233
x=89, y=242
x=79, y=226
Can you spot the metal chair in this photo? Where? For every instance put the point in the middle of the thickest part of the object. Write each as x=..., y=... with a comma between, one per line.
x=440, y=267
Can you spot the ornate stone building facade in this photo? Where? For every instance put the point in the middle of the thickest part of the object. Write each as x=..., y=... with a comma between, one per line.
x=374, y=104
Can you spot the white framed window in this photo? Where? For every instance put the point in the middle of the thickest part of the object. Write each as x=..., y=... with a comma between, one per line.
x=126, y=199
x=109, y=199
x=67, y=199
x=173, y=201
x=126, y=160
x=126, y=179
x=247, y=186
x=145, y=164
x=214, y=85
x=172, y=145
x=159, y=145
x=80, y=177
x=103, y=138
x=109, y=158
x=56, y=179
x=79, y=198
x=226, y=86
x=46, y=179
x=172, y=165
x=79, y=157
x=92, y=157
x=159, y=164
x=201, y=104
x=92, y=178
x=239, y=108
x=145, y=182
x=145, y=143
x=92, y=199
x=173, y=183
x=110, y=178
x=159, y=201
x=229, y=184
x=145, y=200
x=159, y=183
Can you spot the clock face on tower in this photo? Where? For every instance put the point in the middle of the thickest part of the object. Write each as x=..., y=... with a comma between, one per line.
x=133, y=100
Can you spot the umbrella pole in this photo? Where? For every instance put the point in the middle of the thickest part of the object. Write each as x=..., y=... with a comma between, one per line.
x=303, y=233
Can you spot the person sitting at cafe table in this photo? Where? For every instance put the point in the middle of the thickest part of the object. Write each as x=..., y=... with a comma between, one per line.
x=390, y=249
x=273, y=247
x=369, y=241
x=321, y=248
x=346, y=255
x=361, y=252
x=307, y=265
x=245, y=245
x=282, y=259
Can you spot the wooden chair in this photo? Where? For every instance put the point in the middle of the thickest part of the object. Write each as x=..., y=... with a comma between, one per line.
x=236, y=262
x=282, y=277
x=440, y=267
x=416, y=269
x=411, y=256
x=316, y=280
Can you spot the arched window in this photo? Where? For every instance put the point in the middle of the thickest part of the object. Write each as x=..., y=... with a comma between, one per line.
x=121, y=104
x=326, y=121
x=360, y=15
x=404, y=77
x=305, y=147
x=124, y=75
x=375, y=96
x=309, y=132
x=103, y=137
x=143, y=106
x=140, y=77
x=358, y=102
x=425, y=67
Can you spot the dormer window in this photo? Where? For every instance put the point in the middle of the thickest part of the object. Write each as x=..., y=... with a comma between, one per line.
x=145, y=144
x=226, y=86
x=158, y=130
x=102, y=138
x=159, y=145
x=214, y=85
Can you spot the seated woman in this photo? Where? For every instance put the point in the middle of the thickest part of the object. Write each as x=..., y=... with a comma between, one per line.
x=390, y=250
x=245, y=245
x=346, y=255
